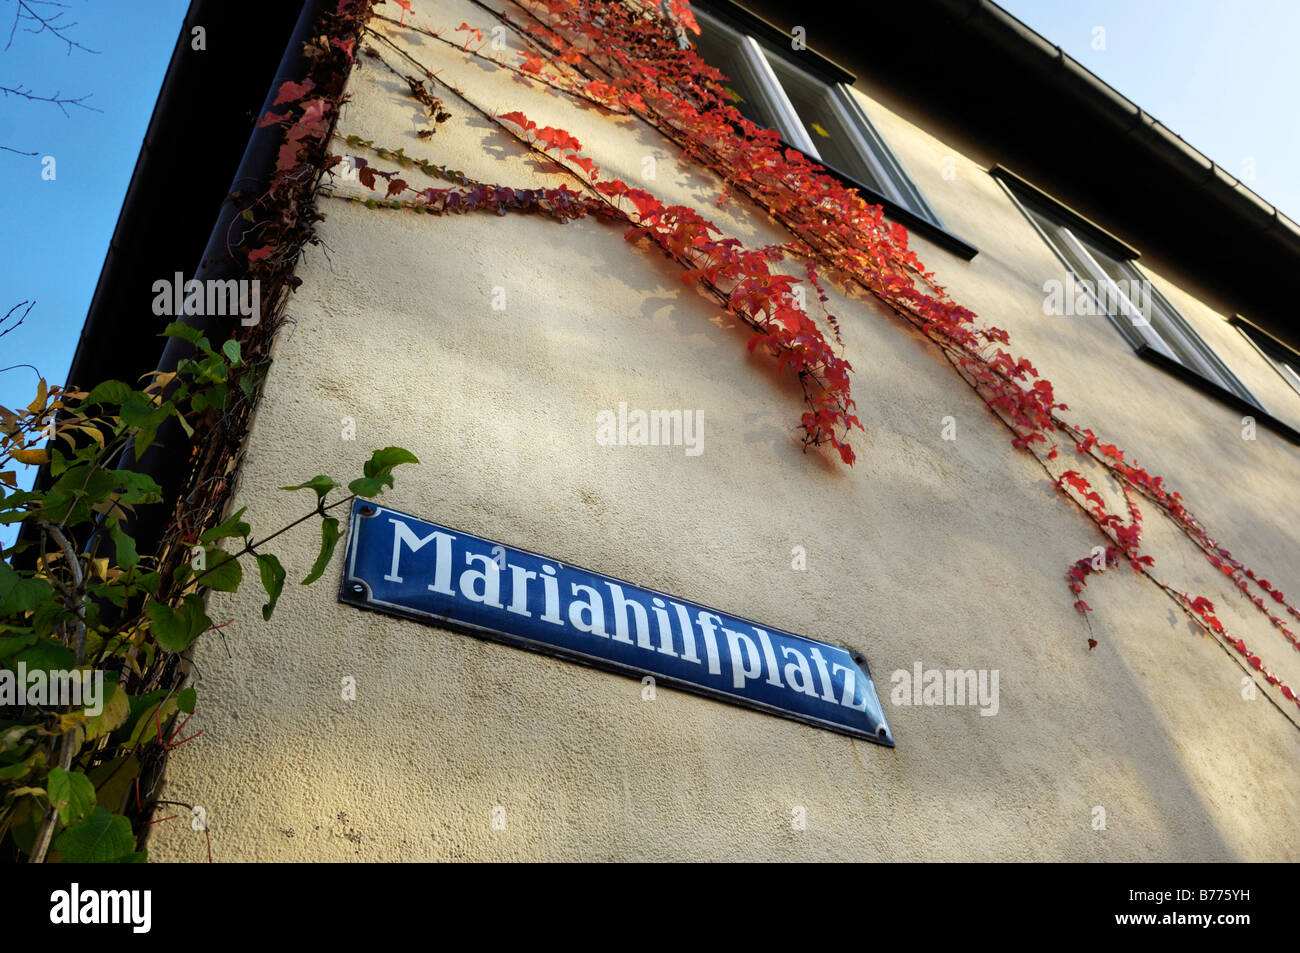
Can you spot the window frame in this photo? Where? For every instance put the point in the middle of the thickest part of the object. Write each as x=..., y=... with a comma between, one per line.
x=1023, y=195
x=1273, y=351
x=898, y=193
x=1139, y=331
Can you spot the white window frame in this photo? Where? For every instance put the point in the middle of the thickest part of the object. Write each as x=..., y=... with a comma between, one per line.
x=787, y=118
x=894, y=182
x=1288, y=369
x=1208, y=365
x=1288, y=373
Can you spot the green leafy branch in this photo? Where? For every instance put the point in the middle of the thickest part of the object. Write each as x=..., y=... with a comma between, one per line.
x=77, y=597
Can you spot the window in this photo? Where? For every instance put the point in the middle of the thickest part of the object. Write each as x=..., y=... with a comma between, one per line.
x=1284, y=360
x=1102, y=267
x=820, y=118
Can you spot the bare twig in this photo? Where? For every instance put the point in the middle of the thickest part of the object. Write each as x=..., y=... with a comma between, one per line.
x=10, y=313
x=57, y=99
x=53, y=23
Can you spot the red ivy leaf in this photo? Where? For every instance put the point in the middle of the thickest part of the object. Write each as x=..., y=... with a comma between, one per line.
x=586, y=165
x=288, y=156
x=292, y=92
x=557, y=139
x=645, y=202
x=519, y=119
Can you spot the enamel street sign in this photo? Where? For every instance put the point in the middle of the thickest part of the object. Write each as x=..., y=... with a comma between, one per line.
x=409, y=567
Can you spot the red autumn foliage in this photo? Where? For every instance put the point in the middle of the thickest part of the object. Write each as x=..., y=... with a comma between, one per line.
x=621, y=57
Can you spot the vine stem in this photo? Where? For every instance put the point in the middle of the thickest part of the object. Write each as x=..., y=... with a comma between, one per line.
x=320, y=510
x=68, y=746
x=724, y=298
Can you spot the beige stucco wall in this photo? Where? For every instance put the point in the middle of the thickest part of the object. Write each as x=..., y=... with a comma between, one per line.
x=948, y=553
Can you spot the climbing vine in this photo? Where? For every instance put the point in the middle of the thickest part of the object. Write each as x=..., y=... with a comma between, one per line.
x=79, y=786
x=635, y=59
x=81, y=602
x=93, y=633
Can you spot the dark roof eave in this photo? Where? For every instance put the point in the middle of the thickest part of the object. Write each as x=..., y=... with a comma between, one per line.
x=191, y=149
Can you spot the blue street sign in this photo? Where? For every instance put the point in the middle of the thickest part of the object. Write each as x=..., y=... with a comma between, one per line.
x=409, y=567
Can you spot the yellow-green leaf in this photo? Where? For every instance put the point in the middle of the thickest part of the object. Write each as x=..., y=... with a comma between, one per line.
x=32, y=456
x=117, y=707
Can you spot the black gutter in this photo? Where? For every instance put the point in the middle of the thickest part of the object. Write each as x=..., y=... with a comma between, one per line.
x=1127, y=117
x=168, y=458
x=250, y=182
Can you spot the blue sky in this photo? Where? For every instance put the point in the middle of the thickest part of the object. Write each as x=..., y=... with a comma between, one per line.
x=56, y=232
x=1221, y=74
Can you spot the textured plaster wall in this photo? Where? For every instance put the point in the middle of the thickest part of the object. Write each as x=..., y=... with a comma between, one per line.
x=948, y=553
